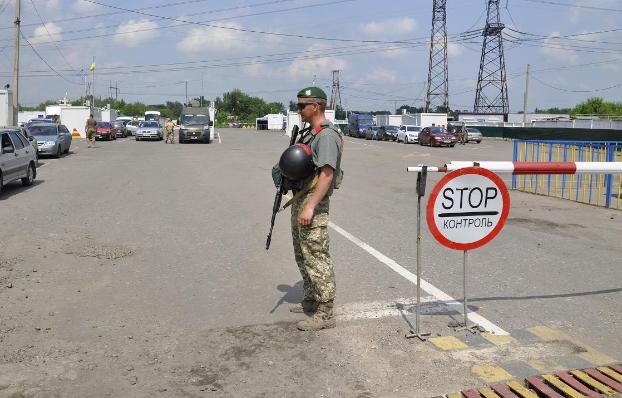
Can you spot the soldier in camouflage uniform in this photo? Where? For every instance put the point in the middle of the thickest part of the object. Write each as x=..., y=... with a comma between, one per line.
x=310, y=214
x=170, y=134
x=91, y=129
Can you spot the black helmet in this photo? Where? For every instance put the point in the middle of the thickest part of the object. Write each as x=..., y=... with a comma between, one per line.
x=296, y=162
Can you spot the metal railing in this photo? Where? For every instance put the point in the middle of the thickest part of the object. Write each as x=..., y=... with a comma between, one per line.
x=597, y=189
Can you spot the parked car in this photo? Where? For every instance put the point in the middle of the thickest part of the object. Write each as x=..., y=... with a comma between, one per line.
x=437, y=136
x=407, y=134
x=131, y=127
x=105, y=131
x=52, y=139
x=119, y=125
x=33, y=142
x=474, y=134
x=371, y=133
x=388, y=133
x=149, y=129
x=17, y=158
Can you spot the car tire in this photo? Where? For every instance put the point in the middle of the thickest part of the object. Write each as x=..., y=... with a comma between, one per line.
x=59, y=153
x=405, y=140
x=479, y=142
x=30, y=176
x=452, y=145
x=1, y=182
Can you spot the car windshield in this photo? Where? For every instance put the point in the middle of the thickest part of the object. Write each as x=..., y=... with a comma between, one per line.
x=438, y=130
x=473, y=131
x=391, y=128
x=410, y=128
x=38, y=130
x=194, y=119
x=105, y=125
x=149, y=124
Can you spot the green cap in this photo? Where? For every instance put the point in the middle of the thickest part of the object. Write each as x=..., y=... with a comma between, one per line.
x=312, y=92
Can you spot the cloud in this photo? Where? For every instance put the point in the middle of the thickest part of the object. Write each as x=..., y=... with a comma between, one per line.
x=393, y=26
x=84, y=7
x=381, y=75
x=48, y=32
x=200, y=39
x=454, y=49
x=303, y=67
x=132, y=33
x=552, y=49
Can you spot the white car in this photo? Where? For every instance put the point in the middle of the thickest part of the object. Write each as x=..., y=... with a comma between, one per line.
x=149, y=130
x=17, y=158
x=408, y=134
x=131, y=127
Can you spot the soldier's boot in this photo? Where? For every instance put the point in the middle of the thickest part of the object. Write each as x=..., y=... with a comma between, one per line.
x=322, y=319
x=308, y=306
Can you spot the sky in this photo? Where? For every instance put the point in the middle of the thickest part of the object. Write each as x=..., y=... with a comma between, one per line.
x=152, y=50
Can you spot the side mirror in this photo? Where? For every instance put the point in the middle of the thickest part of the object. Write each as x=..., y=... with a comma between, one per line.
x=31, y=138
x=211, y=123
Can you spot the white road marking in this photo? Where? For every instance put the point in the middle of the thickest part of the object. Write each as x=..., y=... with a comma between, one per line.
x=432, y=290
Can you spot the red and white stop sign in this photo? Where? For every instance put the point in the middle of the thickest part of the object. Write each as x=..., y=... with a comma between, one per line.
x=468, y=208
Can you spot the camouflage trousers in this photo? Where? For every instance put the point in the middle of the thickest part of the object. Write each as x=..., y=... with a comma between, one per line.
x=311, y=251
x=170, y=136
x=90, y=137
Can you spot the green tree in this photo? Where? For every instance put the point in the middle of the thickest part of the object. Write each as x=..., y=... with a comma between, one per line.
x=597, y=106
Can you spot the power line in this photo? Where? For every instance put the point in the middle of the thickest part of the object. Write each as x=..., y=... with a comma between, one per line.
x=125, y=32
x=46, y=62
x=250, y=30
x=576, y=91
x=49, y=34
x=574, y=5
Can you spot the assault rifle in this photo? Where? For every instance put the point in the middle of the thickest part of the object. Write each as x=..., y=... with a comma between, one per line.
x=280, y=191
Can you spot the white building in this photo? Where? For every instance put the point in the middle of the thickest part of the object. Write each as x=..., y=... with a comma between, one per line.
x=73, y=117
x=417, y=119
x=275, y=121
x=25, y=116
x=6, y=108
x=293, y=119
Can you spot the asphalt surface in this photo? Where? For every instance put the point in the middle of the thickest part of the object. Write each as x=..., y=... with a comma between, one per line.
x=139, y=269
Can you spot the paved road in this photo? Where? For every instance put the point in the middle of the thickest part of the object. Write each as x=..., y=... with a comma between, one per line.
x=138, y=269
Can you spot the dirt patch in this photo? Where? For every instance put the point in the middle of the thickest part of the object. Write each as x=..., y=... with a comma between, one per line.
x=100, y=251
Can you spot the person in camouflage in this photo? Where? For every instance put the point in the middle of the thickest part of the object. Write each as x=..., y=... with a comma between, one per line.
x=170, y=132
x=91, y=129
x=310, y=214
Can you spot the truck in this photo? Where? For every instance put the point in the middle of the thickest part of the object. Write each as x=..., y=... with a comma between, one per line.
x=358, y=123
x=195, y=124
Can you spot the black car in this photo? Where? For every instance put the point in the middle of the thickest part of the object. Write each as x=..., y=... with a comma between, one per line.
x=388, y=133
x=120, y=126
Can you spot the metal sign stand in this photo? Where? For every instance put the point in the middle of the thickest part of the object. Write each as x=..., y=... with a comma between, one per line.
x=465, y=325
x=421, y=179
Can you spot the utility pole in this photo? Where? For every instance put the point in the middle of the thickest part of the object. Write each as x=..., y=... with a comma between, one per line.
x=186, y=92
x=492, y=88
x=93, y=86
x=16, y=63
x=526, y=96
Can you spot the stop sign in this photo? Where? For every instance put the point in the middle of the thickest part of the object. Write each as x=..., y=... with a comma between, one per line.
x=468, y=208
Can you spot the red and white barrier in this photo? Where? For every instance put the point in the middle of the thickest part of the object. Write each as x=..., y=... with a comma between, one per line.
x=529, y=167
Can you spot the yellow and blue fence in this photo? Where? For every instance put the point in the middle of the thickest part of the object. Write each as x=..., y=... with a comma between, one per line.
x=597, y=189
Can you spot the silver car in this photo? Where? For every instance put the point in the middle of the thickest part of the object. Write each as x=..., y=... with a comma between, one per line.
x=149, y=129
x=52, y=139
x=474, y=134
x=17, y=158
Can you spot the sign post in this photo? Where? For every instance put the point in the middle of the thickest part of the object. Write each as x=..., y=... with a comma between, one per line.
x=466, y=210
x=421, y=180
